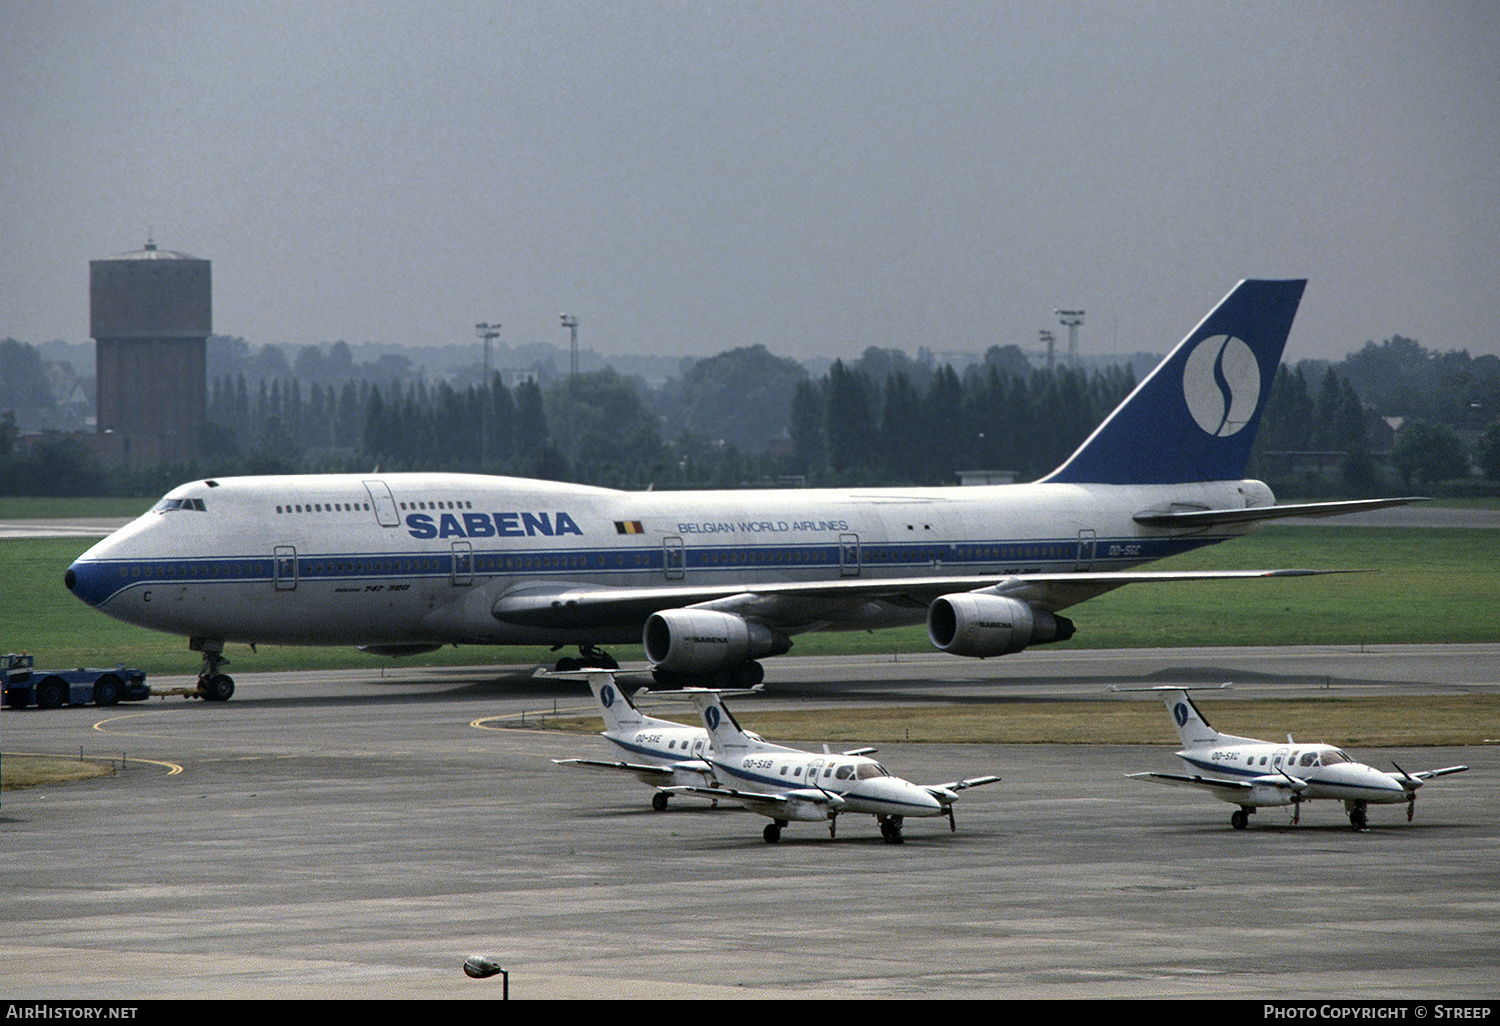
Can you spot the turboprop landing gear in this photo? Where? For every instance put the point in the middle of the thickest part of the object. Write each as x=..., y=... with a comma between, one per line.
x=1240, y=819
x=1356, y=814
x=659, y=801
x=772, y=832
x=213, y=686
x=890, y=829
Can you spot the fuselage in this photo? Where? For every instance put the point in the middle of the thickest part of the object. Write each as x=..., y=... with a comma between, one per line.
x=861, y=783
x=423, y=559
x=1327, y=771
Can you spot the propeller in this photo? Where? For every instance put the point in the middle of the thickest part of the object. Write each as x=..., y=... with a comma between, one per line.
x=1411, y=784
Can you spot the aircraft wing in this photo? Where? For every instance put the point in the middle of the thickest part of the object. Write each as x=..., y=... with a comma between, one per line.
x=1429, y=774
x=643, y=772
x=1216, y=517
x=794, y=603
x=960, y=785
x=1207, y=783
x=767, y=803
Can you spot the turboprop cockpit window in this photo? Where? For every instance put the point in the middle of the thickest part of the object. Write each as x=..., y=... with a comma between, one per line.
x=172, y=505
x=1334, y=757
x=870, y=770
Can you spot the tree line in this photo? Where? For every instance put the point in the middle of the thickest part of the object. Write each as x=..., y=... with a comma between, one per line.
x=746, y=418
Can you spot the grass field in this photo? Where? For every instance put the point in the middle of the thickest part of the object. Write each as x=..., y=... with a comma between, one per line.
x=1424, y=586
x=1407, y=721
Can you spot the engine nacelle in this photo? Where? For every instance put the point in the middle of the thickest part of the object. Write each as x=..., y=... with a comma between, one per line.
x=705, y=641
x=979, y=625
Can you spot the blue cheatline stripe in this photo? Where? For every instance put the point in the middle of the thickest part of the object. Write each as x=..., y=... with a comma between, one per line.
x=100, y=580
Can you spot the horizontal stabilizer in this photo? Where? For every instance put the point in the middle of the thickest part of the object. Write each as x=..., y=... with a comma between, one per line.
x=1255, y=514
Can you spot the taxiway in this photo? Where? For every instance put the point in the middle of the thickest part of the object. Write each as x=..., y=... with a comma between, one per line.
x=357, y=834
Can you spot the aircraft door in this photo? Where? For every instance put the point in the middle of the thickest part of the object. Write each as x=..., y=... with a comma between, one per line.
x=284, y=561
x=814, y=773
x=463, y=564
x=848, y=555
x=384, y=503
x=1085, y=550
x=674, y=558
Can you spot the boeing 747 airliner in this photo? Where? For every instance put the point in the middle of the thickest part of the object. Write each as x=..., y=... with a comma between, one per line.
x=711, y=582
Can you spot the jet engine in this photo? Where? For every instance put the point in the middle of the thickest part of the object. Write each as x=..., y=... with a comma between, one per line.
x=975, y=624
x=700, y=641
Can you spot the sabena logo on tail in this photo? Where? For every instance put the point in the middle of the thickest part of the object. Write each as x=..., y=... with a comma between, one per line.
x=1194, y=417
x=1221, y=382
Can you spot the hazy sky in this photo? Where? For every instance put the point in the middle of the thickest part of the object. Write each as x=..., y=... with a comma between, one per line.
x=817, y=177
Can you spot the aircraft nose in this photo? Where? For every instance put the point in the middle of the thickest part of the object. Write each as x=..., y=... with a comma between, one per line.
x=1371, y=779
x=903, y=797
x=85, y=579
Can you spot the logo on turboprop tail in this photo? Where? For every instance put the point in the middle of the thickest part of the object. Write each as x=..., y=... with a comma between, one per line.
x=1221, y=381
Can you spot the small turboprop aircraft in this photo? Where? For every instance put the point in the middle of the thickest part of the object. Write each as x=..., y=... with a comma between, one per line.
x=658, y=752
x=787, y=783
x=1251, y=773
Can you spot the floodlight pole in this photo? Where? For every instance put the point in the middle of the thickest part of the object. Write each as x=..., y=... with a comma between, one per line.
x=488, y=332
x=571, y=323
x=1071, y=319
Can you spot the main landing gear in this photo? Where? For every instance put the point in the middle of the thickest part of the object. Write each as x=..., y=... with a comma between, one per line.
x=590, y=657
x=1241, y=817
x=748, y=674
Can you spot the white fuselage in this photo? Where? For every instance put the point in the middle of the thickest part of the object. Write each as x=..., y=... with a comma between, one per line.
x=423, y=559
x=1327, y=771
x=681, y=749
x=861, y=783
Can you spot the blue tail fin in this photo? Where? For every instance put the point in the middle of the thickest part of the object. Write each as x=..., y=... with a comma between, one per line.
x=1194, y=417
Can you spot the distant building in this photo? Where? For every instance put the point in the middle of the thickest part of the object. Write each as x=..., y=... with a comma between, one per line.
x=150, y=314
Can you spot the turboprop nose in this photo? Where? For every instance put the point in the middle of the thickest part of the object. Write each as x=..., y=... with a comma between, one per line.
x=1373, y=784
x=898, y=797
x=1384, y=782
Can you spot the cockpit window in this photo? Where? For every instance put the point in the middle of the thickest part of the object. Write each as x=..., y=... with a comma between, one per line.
x=1310, y=759
x=172, y=505
x=870, y=770
x=1333, y=757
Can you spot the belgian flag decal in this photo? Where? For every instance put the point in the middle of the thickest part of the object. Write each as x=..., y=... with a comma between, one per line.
x=629, y=527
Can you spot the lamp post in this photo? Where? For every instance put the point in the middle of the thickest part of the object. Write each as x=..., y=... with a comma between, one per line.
x=1071, y=319
x=488, y=332
x=571, y=323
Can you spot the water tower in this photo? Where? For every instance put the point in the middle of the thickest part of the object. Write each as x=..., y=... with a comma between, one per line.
x=150, y=314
